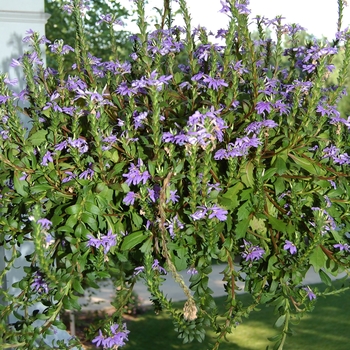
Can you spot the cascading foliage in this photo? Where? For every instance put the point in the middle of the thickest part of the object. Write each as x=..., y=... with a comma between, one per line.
x=200, y=149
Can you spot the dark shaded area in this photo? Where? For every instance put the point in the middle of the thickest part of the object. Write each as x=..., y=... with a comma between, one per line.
x=61, y=26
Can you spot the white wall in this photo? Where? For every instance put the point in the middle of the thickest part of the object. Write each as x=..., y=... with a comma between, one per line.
x=16, y=17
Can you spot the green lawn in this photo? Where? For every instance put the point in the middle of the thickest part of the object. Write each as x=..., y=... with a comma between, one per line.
x=326, y=328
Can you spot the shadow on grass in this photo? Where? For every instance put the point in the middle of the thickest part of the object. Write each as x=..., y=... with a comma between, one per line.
x=326, y=328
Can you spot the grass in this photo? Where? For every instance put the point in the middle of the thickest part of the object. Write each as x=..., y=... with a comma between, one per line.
x=326, y=328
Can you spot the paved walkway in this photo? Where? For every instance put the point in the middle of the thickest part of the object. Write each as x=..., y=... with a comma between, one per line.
x=102, y=297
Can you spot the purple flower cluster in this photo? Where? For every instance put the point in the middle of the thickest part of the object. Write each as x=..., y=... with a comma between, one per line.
x=155, y=267
x=310, y=294
x=192, y=271
x=115, y=340
x=308, y=58
x=290, y=246
x=329, y=223
x=252, y=252
x=337, y=157
x=139, y=85
x=39, y=285
x=207, y=81
x=136, y=175
x=139, y=119
x=47, y=158
x=83, y=6
x=45, y=223
x=164, y=41
x=106, y=241
x=242, y=145
x=240, y=148
x=154, y=193
x=340, y=120
x=87, y=174
x=202, y=129
x=130, y=197
x=342, y=247
x=110, y=19
x=80, y=144
x=256, y=127
x=172, y=225
x=214, y=212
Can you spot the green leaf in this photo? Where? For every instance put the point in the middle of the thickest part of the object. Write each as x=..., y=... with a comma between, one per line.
x=280, y=185
x=37, y=138
x=180, y=264
x=146, y=247
x=77, y=287
x=132, y=240
x=280, y=165
x=325, y=278
x=317, y=258
x=269, y=173
x=280, y=321
x=65, y=229
x=58, y=324
x=118, y=168
x=232, y=192
x=80, y=230
x=89, y=219
x=241, y=228
x=92, y=208
x=307, y=165
x=271, y=263
x=277, y=224
x=243, y=211
x=275, y=338
x=247, y=177
x=41, y=188
x=19, y=185
x=74, y=209
x=137, y=220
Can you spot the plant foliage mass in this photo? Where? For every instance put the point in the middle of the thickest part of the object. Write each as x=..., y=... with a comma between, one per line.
x=201, y=147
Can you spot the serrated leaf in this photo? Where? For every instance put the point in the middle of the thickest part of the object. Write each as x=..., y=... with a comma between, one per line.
x=241, y=228
x=72, y=220
x=37, y=138
x=317, y=258
x=132, y=240
x=180, y=263
x=271, y=263
x=137, y=220
x=146, y=246
x=230, y=199
x=277, y=224
x=280, y=165
x=243, y=211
